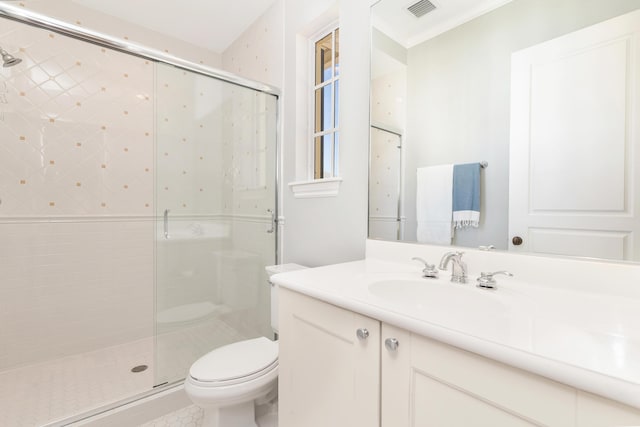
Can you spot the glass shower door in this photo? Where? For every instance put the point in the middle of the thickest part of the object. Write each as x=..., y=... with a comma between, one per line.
x=385, y=185
x=215, y=207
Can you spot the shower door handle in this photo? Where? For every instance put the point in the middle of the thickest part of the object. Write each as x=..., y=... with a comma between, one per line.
x=272, y=227
x=166, y=223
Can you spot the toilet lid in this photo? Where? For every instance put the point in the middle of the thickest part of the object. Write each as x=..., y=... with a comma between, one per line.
x=235, y=360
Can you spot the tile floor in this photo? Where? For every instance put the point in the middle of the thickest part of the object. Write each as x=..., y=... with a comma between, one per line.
x=39, y=394
x=191, y=416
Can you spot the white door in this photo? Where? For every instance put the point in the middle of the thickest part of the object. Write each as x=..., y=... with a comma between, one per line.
x=575, y=143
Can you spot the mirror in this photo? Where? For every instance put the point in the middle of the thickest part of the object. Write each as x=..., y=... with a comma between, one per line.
x=527, y=89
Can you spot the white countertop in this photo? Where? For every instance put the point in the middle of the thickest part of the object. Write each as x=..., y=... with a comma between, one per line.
x=585, y=340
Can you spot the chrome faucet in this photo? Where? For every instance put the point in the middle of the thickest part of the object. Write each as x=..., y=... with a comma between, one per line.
x=486, y=280
x=459, y=269
x=429, y=271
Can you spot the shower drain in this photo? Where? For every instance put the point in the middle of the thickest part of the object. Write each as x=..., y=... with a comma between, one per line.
x=139, y=368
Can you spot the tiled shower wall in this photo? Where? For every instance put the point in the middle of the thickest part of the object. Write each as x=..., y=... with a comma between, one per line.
x=76, y=190
x=257, y=54
x=388, y=98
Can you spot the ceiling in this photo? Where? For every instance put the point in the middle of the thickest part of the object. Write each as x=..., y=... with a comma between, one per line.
x=392, y=18
x=215, y=24
x=210, y=24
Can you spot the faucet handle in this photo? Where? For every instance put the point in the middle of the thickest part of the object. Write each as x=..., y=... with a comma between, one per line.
x=429, y=270
x=487, y=281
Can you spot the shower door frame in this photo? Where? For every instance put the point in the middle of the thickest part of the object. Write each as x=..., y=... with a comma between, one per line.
x=20, y=14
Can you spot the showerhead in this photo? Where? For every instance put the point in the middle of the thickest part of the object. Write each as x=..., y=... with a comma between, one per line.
x=8, y=60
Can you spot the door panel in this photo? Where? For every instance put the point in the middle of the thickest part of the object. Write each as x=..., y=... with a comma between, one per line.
x=328, y=377
x=215, y=196
x=455, y=408
x=574, y=160
x=428, y=383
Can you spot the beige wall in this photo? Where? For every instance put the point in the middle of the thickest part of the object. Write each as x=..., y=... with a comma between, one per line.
x=257, y=54
x=74, y=13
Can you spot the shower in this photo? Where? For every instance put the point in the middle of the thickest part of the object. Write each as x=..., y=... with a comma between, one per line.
x=8, y=60
x=97, y=143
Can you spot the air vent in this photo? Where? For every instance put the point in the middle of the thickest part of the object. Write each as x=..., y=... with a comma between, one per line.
x=421, y=8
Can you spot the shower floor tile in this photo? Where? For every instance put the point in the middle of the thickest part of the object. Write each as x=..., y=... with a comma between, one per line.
x=39, y=394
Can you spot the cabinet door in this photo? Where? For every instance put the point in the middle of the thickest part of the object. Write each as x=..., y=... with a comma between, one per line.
x=395, y=365
x=596, y=411
x=328, y=376
x=427, y=383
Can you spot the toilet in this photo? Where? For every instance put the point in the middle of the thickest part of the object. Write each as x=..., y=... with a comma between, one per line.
x=230, y=382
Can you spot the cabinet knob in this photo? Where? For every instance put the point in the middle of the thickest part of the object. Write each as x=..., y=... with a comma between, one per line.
x=517, y=240
x=362, y=334
x=391, y=344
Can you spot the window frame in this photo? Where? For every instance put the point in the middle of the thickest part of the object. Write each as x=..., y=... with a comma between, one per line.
x=335, y=79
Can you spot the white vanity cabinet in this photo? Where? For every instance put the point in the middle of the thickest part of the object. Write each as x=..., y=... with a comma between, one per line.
x=428, y=383
x=327, y=375
x=330, y=377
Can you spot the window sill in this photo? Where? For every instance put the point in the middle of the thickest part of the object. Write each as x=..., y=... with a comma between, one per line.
x=327, y=187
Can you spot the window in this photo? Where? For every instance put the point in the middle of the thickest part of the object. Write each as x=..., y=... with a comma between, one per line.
x=325, y=98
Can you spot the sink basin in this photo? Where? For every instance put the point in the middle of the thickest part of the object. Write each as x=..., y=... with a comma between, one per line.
x=455, y=306
x=437, y=296
x=403, y=290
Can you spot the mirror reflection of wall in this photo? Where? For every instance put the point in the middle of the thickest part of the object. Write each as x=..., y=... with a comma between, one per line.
x=454, y=102
x=388, y=122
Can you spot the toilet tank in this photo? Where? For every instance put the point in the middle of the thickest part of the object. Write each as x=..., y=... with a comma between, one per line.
x=275, y=269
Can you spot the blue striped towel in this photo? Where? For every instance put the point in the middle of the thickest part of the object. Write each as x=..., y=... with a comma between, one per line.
x=466, y=195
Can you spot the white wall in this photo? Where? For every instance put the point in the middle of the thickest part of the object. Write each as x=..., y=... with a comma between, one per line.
x=321, y=231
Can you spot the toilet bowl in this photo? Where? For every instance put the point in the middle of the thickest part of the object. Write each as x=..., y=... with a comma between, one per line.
x=229, y=382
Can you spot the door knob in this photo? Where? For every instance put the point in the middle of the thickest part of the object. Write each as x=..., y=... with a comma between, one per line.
x=391, y=344
x=517, y=240
x=272, y=222
x=362, y=334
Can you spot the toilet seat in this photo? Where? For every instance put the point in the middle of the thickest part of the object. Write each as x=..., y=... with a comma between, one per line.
x=236, y=363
